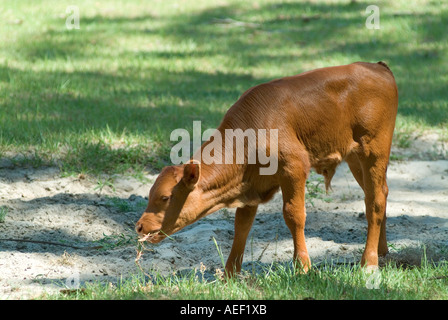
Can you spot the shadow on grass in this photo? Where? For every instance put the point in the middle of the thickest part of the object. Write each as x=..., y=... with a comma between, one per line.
x=153, y=109
x=52, y=108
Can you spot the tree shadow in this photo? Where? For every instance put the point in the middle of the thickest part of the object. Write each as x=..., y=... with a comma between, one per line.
x=33, y=226
x=300, y=35
x=327, y=31
x=118, y=110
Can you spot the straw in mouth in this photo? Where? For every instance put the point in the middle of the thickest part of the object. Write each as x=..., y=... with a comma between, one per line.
x=149, y=236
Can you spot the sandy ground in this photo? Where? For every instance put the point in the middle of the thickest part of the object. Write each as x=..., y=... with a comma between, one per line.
x=45, y=209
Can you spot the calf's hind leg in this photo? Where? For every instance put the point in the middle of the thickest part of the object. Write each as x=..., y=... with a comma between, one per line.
x=292, y=184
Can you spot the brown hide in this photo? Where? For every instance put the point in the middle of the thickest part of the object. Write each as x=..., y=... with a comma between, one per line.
x=323, y=117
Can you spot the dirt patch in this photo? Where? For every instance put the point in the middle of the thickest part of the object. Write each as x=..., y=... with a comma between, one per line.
x=65, y=231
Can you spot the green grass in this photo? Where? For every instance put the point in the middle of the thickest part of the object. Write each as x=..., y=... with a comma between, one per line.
x=105, y=98
x=409, y=273
x=3, y=213
x=279, y=281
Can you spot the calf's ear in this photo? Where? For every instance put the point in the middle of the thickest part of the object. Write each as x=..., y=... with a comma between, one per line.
x=192, y=172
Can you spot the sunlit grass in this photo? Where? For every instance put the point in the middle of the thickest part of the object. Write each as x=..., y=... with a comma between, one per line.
x=104, y=98
x=278, y=281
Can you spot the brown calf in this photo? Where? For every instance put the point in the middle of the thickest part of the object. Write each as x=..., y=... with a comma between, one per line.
x=323, y=116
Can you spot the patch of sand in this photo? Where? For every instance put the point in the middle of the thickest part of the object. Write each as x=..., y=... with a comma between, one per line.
x=44, y=207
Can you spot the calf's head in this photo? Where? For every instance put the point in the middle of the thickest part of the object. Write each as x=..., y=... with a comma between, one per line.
x=173, y=202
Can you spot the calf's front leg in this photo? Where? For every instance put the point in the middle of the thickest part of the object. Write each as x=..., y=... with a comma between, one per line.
x=244, y=218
